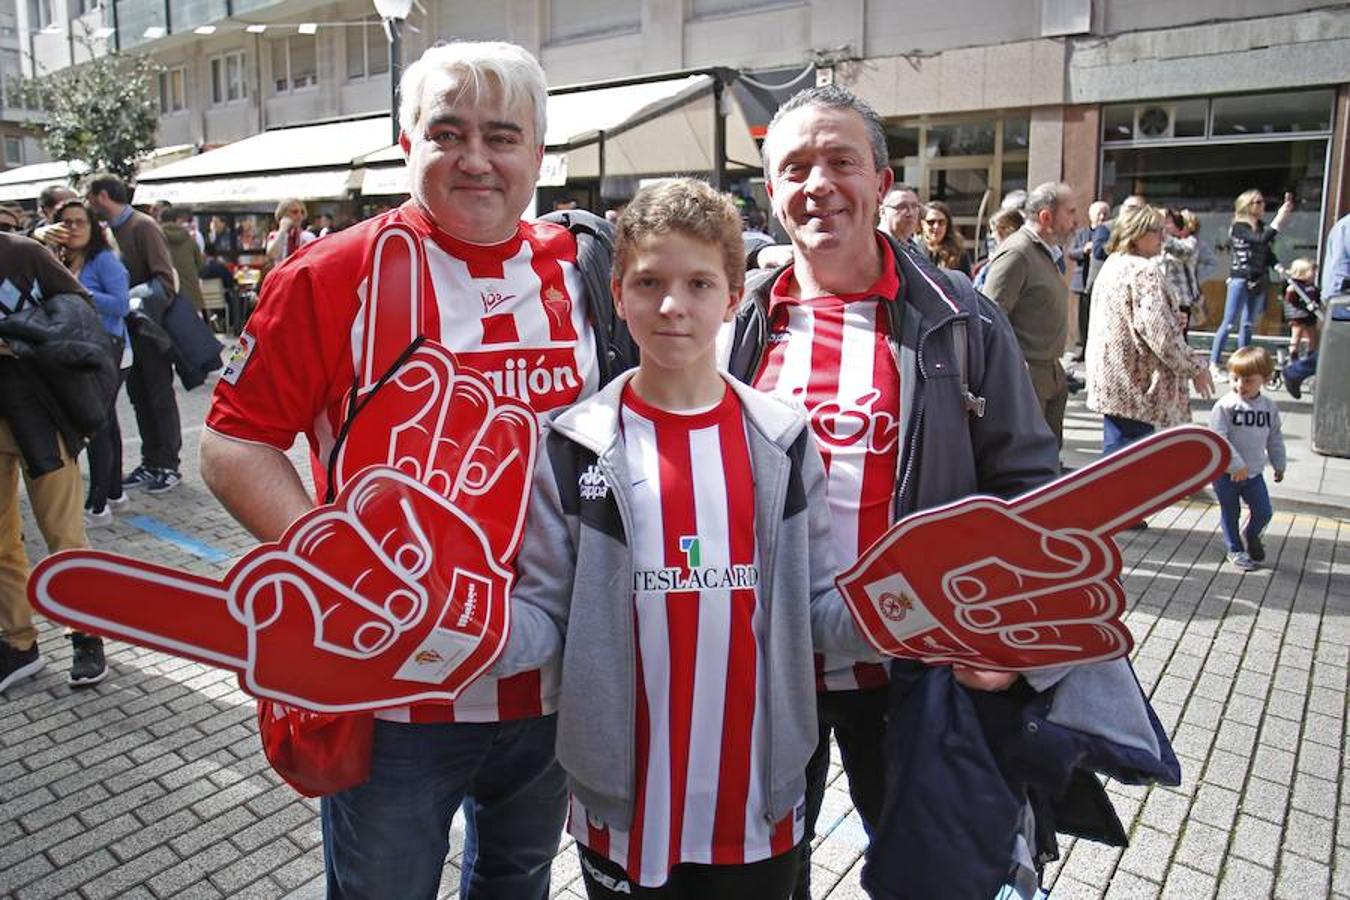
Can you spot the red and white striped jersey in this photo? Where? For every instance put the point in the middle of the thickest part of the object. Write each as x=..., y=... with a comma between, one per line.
x=701, y=708
x=514, y=311
x=832, y=355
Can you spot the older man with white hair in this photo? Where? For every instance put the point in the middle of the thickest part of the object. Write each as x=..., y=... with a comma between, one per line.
x=517, y=302
x=1027, y=278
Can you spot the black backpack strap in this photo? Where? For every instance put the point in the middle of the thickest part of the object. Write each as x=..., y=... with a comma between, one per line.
x=615, y=350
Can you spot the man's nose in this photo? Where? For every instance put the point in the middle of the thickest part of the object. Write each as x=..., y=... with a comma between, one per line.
x=473, y=157
x=669, y=305
x=817, y=181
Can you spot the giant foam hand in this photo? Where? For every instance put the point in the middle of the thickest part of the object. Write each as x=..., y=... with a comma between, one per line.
x=1028, y=584
x=396, y=591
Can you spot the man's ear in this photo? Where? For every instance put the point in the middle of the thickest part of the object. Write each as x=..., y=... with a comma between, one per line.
x=733, y=304
x=616, y=289
x=887, y=179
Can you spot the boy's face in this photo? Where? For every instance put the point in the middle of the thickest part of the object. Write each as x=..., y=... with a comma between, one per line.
x=1248, y=387
x=675, y=295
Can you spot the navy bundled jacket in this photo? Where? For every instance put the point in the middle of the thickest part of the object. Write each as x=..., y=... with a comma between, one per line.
x=978, y=783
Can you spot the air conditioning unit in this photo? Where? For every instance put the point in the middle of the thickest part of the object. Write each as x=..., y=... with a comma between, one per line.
x=1154, y=122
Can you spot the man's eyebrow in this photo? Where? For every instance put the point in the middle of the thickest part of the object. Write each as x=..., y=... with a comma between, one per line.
x=455, y=121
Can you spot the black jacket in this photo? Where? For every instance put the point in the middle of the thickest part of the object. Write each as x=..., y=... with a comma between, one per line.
x=62, y=379
x=1252, y=254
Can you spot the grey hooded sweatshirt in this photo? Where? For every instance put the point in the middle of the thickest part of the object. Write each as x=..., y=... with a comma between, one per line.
x=574, y=596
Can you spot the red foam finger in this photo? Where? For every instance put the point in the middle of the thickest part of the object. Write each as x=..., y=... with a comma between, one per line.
x=140, y=603
x=394, y=303
x=1099, y=601
x=1119, y=490
x=493, y=487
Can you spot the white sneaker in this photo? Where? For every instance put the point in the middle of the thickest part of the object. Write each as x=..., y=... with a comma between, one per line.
x=101, y=519
x=1240, y=560
x=119, y=502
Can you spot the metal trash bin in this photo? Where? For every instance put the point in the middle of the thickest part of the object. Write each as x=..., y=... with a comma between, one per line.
x=1331, y=403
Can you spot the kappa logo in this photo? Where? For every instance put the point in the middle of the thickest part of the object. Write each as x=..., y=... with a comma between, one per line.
x=592, y=483
x=895, y=607
x=493, y=298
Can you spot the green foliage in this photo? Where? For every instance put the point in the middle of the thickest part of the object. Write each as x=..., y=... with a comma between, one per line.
x=103, y=111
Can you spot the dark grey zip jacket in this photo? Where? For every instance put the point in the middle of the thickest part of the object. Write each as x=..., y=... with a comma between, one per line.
x=574, y=596
x=947, y=452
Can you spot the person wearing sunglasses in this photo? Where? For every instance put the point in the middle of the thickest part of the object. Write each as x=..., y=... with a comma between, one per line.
x=941, y=241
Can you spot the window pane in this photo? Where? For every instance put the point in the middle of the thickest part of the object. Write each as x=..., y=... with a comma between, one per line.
x=163, y=92
x=13, y=151
x=356, y=52
x=1014, y=178
x=188, y=14
x=178, y=77
x=217, y=81
x=234, y=75
x=281, y=76
x=965, y=139
x=377, y=50
x=304, y=55
x=1016, y=135
x=961, y=189
x=1273, y=113
x=902, y=141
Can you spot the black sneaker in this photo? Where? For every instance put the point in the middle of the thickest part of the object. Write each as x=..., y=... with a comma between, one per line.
x=140, y=477
x=87, y=665
x=1255, y=549
x=16, y=665
x=163, y=480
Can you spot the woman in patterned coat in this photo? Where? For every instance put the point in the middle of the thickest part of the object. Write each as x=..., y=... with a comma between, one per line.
x=1138, y=365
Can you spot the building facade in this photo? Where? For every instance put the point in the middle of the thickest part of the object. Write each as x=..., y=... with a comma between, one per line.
x=1188, y=103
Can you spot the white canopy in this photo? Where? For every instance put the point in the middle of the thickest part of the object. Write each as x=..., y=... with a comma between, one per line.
x=312, y=162
x=26, y=182
x=658, y=128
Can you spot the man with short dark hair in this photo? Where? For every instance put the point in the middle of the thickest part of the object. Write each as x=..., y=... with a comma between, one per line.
x=841, y=328
x=1027, y=278
x=900, y=213
x=154, y=284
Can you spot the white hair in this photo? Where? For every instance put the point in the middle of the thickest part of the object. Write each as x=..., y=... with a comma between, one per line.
x=481, y=69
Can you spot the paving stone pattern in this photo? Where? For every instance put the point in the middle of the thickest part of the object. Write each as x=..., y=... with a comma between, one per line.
x=152, y=784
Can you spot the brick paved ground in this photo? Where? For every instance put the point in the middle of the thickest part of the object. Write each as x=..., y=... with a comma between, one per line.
x=152, y=784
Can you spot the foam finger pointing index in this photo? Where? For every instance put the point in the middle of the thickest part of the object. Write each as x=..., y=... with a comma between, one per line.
x=1137, y=481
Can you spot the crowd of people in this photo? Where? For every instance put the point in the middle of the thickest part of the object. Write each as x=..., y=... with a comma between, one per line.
x=775, y=421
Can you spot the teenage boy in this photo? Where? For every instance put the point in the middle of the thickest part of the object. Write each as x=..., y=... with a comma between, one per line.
x=687, y=713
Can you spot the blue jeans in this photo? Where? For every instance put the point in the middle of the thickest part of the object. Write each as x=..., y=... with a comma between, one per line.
x=1240, y=300
x=1253, y=492
x=390, y=836
x=1118, y=432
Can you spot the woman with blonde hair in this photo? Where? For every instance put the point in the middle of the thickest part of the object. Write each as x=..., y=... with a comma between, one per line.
x=1251, y=258
x=940, y=240
x=1138, y=364
x=289, y=236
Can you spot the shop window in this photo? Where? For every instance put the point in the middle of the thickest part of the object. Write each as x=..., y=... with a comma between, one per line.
x=1294, y=111
x=902, y=141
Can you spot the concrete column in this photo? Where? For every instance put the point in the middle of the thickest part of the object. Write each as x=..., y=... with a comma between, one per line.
x=1046, y=154
x=1082, y=151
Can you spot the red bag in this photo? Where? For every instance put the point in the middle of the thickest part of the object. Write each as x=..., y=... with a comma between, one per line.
x=316, y=753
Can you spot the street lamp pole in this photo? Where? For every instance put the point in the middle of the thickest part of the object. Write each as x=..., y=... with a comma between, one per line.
x=392, y=13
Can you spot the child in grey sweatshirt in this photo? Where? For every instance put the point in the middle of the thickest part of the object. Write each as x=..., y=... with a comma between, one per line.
x=1251, y=423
